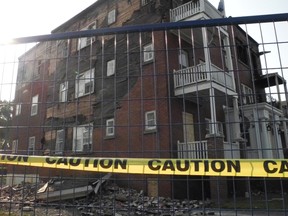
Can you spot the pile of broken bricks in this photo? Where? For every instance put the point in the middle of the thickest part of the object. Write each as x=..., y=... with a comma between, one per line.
x=99, y=198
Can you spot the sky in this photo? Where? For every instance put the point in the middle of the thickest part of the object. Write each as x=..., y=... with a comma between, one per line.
x=35, y=17
x=19, y=18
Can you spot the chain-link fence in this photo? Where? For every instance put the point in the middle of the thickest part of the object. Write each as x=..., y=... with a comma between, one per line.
x=185, y=102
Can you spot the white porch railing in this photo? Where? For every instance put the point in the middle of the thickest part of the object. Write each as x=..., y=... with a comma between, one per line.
x=198, y=73
x=192, y=8
x=193, y=150
x=185, y=10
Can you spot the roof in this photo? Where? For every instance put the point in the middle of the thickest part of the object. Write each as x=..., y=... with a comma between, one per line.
x=269, y=80
x=79, y=15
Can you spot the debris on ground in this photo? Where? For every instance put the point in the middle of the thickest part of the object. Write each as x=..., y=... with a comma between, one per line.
x=99, y=198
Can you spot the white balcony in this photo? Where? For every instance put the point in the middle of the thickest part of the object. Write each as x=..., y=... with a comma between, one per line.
x=193, y=150
x=194, y=10
x=197, y=78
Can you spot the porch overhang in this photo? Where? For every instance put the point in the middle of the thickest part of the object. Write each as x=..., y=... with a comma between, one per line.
x=269, y=80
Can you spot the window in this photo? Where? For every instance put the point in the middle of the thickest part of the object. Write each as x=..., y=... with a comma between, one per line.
x=63, y=48
x=18, y=109
x=144, y=2
x=148, y=53
x=111, y=67
x=59, y=146
x=247, y=95
x=183, y=59
x=84, y=83
x=242, y=52
x=82, y=138
x=150, y=120
x=111, y=17
x=63, y=91
x=110, y=127
x=34, y=105
x=31, y=145
x=209, y=127
x=14, y=146
x=83, y=42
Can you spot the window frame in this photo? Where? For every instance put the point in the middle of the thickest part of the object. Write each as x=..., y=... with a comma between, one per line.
x=31, y=145
x=79, y=130
x=18, y=109
x=183, y=54
x=247, y=94
x=88, y=77
x=63, y=91
x=111, y=67
x=148, y=126
x=34, y=105
x=59, y=142
x=14, y=146
x=148, y=53
x=87, y=41
x=110, y=127
x=111, y=17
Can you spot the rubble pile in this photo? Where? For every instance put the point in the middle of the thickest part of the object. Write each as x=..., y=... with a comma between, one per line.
x=110, y=200
x=114, y=200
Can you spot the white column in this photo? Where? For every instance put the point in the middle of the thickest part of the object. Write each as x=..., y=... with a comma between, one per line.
x=267, y=152
x=213, y=111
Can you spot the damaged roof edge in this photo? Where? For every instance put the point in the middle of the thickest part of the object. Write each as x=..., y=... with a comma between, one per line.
x=77, y=16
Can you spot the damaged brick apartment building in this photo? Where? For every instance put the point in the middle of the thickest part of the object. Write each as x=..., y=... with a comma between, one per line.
x=185, y=93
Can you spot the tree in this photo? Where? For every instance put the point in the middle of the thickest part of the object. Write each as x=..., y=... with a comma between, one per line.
x=5, y=123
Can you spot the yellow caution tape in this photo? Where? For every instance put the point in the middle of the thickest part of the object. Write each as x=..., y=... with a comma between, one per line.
x=194, y=167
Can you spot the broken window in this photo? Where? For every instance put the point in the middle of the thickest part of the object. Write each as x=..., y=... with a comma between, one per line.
x=84, y=83
x=242, y=52
x=150, y=120
x=82, y=138
x=86, y=41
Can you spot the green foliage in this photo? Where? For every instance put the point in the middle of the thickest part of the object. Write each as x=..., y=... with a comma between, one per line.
x=5, y=123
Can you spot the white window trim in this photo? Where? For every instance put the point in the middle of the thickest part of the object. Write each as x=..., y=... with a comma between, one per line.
x=111, y=17
x=59, y=143
x=247, y=94
x=63, y=91
x=80, y=83
x=18, y=109
x=31, y=145
x=34, y=105
x=14, y=146
x=110, y=127
x=86, y=41
x=111, y=67
x=78, y=136
x=148, y=53
x=148, y=125
x=183, y=59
